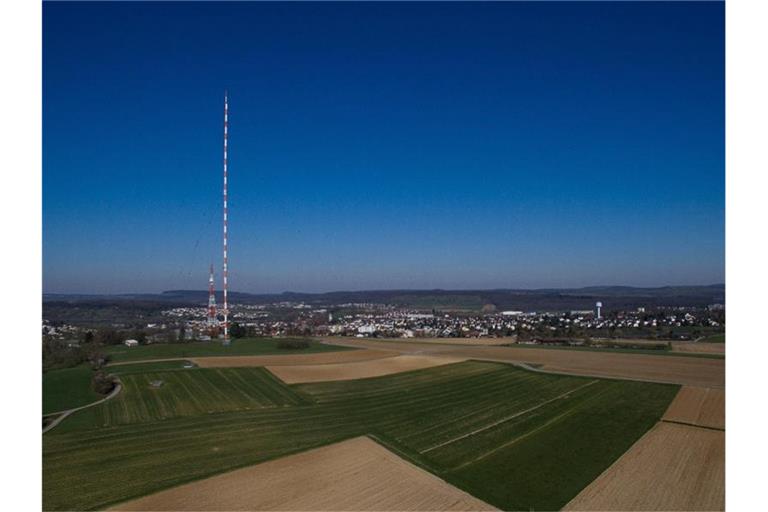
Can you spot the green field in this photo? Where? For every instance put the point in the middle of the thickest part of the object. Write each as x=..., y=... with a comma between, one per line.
x=239, y=347
x=518, y=439
x=126, y=369
x=67, y=388
x=715, y=338
x=188, y=393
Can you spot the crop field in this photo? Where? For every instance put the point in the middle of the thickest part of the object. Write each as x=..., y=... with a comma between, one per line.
x=513, y=438
x=715, y=338
x=698, y=347
x=347, y=356
x=125, y=369
x=357, y=370
x=649, y=475
x=475, y=342
x=188, y=393
x=698, y=406
x=705, y=370
x=67, y=388
x=356, y=474
x=239, y=347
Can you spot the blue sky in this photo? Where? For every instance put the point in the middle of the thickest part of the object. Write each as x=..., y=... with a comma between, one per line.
x=374, y=146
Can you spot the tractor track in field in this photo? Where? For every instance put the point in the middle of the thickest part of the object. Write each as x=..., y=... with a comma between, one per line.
x=513, y=416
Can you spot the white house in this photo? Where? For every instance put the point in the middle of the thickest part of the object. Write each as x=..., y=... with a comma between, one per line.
x=131, y=343
x=366, y=329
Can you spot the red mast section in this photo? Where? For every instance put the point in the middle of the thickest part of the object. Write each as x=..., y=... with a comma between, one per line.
x=211, y=301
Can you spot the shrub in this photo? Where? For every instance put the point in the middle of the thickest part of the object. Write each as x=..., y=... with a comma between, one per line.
x=290, y=344
x=102, y=383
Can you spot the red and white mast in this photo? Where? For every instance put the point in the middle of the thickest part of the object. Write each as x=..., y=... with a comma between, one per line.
x=211, y=300
x=225, y=310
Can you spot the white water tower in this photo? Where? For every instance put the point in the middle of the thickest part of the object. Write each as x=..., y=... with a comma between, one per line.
x=599, y=306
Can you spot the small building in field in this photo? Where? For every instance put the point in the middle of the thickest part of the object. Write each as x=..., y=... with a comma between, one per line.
x=131, y=343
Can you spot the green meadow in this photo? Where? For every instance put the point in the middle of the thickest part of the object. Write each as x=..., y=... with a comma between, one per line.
x=68, y=388
x=239, y=347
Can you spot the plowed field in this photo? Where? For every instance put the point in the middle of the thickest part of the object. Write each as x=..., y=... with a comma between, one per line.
x=698, y=406
x=677, y=369
x=358, y=370
x=358, y=474
x=673, y=467
x=346, y=356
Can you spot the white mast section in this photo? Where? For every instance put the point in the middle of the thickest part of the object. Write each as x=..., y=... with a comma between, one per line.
x=225, y=274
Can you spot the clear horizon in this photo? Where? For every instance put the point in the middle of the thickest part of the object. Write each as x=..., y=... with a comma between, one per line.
x=299, y=292
x=383, y=146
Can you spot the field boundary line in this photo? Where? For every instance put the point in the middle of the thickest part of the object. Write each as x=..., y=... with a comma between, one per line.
x=302, y=397
x=513, y=416
x=408, y=459
x=392, y=446
x=687, y=424
x=65, y=414
x=625, y=461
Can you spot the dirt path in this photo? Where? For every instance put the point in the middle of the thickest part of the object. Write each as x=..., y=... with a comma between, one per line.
x=64, y=414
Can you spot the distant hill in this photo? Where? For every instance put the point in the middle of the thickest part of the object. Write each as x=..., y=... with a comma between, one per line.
x=555, y=299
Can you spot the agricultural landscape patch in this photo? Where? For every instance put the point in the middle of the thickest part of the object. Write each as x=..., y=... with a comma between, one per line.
x=649, y=476
x=356, y=474
x=513, y=438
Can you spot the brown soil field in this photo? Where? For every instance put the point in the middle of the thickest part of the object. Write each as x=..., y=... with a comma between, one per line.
x=357, y=370
x=698, y=406
x=477, y=342
x=693, y=371
x=347, y=356
x=357, y=474
x=698, y=347
x=629, y=341
x=672, y=467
